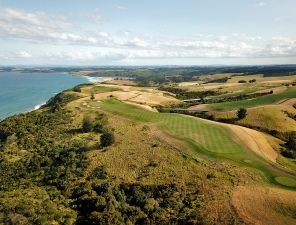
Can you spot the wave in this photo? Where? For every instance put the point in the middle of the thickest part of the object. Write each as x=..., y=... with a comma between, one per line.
x=39, y=106
x=97, y=79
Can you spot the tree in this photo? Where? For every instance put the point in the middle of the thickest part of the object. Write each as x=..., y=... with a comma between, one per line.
x=92, y=95
x=291, y=143
x=77, y=89
x=56, y=107
x=87, y=125
x=107, y=139
x=241, y=113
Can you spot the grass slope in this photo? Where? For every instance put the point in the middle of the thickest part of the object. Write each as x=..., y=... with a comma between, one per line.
x=265, y=117
x=208, y=139
x=264, y=100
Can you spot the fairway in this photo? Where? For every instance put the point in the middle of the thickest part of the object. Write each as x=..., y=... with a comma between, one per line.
x=183, y=126
x=264, y=100
x=212, y=140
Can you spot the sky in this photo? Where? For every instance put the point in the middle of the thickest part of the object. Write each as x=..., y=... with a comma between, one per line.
x=147, y=32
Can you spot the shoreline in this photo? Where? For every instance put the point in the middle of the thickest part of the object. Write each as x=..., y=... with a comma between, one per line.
x=38, y=104
x=89, y=79
x=97, y=79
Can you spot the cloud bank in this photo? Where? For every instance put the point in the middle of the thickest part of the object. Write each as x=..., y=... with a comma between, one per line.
x=40, y=28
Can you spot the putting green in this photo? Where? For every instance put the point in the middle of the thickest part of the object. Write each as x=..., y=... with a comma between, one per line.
x=287, y=181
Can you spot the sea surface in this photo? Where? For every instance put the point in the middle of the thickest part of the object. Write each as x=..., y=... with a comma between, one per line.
x=23, y=92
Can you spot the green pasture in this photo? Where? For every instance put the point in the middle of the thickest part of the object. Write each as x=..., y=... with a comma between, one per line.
x=209, y=139
x=264, y=100
x=101, y=89
x=244, y=89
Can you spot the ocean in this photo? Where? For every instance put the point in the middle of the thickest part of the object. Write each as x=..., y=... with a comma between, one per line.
x=23, y=92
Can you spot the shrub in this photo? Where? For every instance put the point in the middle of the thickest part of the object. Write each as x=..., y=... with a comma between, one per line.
x=241, y=113
x=290, y=152
x=99, y=173
x=87, y=125
x=92, y=95
x=62, y=99
x=107, y=139
x=55, y=108
x=77, y=89
x=242, y=81
x=252, y=81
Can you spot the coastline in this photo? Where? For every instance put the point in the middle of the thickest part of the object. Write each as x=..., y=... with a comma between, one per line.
x=97, y=79
x=88, y=79
x=33, y=90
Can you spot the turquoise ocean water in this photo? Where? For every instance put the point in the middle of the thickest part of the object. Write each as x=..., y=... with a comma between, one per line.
x=22, y=92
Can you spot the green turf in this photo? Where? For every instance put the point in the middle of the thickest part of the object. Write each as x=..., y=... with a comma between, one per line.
x=264, y=100
x=102, y=89
x=182, y=126
x=286, y=181
x=206, y=138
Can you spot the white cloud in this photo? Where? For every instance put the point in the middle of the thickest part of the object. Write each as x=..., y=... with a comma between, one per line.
x=23, y=54
x=120, y=7
x=98, y=19
x=260, y=4
x=103, y=34
x=85, y=56
x=277, y=47
x=41, y=28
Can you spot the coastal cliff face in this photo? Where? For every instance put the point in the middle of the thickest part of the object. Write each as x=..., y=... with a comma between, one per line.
x=53, y=170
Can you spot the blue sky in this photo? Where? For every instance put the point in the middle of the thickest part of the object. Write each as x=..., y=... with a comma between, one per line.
x=163, y=32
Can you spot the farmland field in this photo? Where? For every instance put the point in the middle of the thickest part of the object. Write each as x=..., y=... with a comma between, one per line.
x=264, y=100
x=199, y=135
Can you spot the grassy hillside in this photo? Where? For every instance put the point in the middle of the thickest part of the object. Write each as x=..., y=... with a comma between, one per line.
x=209, y=139
x=268, y=118
x=53, y=171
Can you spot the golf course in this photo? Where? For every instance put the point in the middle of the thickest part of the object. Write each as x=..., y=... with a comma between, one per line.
x=207, y=138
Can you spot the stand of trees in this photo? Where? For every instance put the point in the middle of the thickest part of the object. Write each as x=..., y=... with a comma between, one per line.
x=41, y=161
x=241, y=113
x=290, y=146
x=105, y=202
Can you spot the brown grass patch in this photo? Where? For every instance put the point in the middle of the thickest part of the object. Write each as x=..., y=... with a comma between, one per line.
x=255, y=141
x=265, y=205
x=124, y=82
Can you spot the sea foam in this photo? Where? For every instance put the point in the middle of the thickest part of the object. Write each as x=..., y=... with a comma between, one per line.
x=97, y=79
